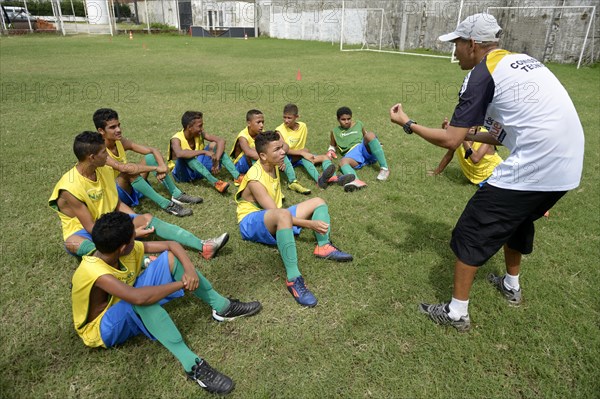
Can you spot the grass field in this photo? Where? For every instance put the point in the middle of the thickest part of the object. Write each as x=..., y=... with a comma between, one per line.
x=365, y=338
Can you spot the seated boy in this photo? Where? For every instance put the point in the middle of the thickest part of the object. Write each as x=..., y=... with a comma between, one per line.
x=114, y=300
x=88, y=191
x=358, y=148
x=262, y=219
x=477, y=160
x=244, y=153
x=131, y=177
x=190, y=159
x=294, y=133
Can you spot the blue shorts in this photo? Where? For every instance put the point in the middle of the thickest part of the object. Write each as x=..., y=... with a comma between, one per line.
x=84, y=233
x=360, y=154
x=120, y=322
x=297, y=163
x=183, y=173
x=132, y=199
x=252, y=227
x=242, y=165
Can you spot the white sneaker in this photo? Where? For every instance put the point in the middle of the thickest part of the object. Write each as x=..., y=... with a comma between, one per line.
x=383, y=174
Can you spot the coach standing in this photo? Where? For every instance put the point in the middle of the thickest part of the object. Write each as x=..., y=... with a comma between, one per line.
x=525, y=108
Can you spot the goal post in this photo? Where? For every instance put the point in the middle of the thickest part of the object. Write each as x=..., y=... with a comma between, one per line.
x=370, y=29
x=549, y=33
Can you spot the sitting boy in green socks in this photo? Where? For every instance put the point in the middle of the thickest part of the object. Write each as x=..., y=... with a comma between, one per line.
x=190, y=159
x=114, y=299
x=358, y=148
x=131, y=177
x=295, y=133
x=262, y=219
x=88, y=191
x=244, y=153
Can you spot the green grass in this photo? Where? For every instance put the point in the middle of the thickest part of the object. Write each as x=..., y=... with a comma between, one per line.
x=365, y=338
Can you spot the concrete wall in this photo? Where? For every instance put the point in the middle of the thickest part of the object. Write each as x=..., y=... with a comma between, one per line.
x=549, y=35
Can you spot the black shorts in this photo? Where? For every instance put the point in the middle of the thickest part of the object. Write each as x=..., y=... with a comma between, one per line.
x=497, y=216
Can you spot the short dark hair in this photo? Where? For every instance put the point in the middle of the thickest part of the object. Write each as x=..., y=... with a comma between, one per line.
x=102, y=116
x=250, y=114
x=343, y=111
x=87, y=143
x=190, y=116
x=290, y=109
x=262, y=140
x=111, y=231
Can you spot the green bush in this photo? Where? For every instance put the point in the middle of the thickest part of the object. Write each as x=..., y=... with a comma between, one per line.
x=158, y=25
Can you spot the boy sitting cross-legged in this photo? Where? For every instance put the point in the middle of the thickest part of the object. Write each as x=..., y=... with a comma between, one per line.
x=244, y=152
x=358, y=148
x=190, y=159
x=295, y=133
x=114, y=299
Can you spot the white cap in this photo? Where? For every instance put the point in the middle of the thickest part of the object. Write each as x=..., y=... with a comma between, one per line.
x=479, y=27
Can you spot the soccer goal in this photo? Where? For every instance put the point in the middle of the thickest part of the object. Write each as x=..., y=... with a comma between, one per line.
x=370, y=29
x=549, y=33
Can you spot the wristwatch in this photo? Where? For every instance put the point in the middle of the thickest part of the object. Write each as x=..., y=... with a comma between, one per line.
x=407, y=126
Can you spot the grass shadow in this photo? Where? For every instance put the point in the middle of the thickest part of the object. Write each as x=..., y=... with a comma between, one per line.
x=428, y=235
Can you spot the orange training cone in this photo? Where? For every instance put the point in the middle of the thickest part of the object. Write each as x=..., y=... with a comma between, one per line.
x=130, y=35
x=298, y=75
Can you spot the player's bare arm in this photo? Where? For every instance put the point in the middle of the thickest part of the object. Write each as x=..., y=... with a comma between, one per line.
x=450, y=138
x=259, y=195
x=69, y=205
x=141, y=296
x=220, y=144
x=179, y=152
x=190, y=277
x=248, y=151
x=443, y=163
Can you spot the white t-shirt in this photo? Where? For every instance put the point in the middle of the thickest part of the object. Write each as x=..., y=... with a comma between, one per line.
x=528, y=110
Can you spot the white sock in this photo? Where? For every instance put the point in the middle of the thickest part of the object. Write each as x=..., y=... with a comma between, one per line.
x=511, y=282
x=458, y=308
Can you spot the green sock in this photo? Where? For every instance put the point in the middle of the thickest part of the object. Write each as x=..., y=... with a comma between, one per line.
x=204, y=291
x=322, y=213
x=196, y=166
x=347, y=170
x=159, y=324
x=310, y=168
x=326, y=164
x=85, y=248
x=142, y=186
x=172, y=232
x=375, y=147
x=289, y=170
x=167, y=181
x=287, y=250
x=228, y=163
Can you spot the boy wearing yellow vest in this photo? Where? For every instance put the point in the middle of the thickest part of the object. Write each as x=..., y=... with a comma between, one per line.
x=88, y=191
x=261, y=218
x=295, y=134
x=131, y=177
x=244, y=153
x=477, y=160
x=114, y=299
x=190, y=159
